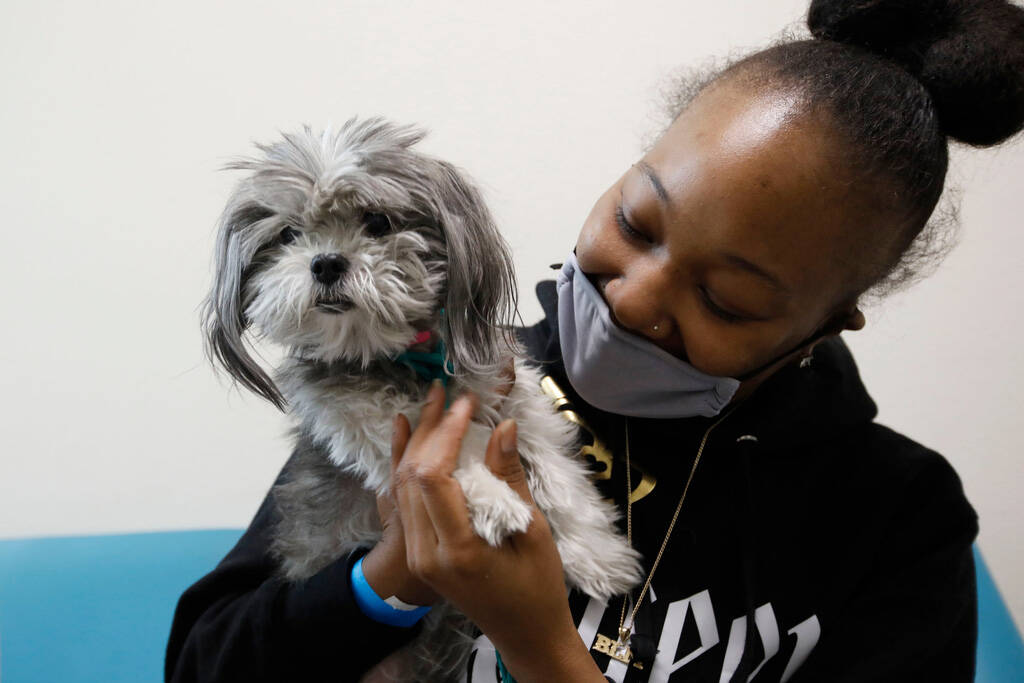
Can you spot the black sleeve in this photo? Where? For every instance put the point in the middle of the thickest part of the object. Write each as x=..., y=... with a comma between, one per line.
x=915, y=616
x=241, y=622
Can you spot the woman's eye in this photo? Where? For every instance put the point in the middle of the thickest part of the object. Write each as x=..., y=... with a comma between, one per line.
x=627, y=229
x=377, y=224
x=715, y=309
x=289, y=235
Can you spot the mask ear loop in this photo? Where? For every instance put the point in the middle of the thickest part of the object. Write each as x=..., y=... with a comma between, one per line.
x=828, y=329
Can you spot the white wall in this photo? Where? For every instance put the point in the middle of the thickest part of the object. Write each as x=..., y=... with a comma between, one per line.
x=117, y=115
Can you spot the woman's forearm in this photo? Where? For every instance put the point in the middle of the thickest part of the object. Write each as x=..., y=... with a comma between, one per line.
x=543, y=657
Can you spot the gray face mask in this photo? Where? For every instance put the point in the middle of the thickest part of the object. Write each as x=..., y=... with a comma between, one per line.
x=621, y=372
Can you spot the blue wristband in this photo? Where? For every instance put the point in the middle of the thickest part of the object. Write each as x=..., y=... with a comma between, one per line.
x=390, y=611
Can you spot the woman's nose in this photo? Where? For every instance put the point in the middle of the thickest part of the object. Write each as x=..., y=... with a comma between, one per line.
x=637, y=304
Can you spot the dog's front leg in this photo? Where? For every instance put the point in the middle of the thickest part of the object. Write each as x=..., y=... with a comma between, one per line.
x=495, y=510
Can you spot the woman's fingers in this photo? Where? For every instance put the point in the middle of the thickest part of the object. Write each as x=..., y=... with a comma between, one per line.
x=508, y=378
x=420, y=537
x=432, y=507
x=450, y=432
x=506, y=382
x=502, y=459
x=385, y=507
x=418, y=531
x=405, y=492
x=430, y=414
x=442, y=495
x=401, y=432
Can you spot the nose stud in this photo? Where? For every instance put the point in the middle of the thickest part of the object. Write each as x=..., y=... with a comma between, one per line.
x=656, y=328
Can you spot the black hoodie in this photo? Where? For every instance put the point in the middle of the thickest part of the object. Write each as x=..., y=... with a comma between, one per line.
x=814, y=545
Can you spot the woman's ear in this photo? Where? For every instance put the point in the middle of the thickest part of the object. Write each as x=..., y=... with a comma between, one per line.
x=854, y=320
x=847, y=317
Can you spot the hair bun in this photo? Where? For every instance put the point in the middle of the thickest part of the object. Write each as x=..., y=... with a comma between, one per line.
x=969, y=54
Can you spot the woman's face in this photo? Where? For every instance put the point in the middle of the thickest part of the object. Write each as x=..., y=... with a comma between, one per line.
x=730, y=234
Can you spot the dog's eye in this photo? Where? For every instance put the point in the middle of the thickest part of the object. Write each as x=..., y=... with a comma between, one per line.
x=289, y=235
x=377, y=224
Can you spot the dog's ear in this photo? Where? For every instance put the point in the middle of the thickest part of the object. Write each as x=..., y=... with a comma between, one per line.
x=481, y=295
x=223, y=313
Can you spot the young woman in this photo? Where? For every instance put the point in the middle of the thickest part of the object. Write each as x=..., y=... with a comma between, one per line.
x=694, y=332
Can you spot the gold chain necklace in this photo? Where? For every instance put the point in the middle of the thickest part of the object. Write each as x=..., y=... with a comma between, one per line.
x=619, y=648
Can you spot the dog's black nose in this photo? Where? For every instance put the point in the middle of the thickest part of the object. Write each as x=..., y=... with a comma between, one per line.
x=328, y=268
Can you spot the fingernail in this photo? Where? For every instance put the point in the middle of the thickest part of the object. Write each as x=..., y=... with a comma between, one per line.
x=435, y=386
x=394, y=426
x=507, y=438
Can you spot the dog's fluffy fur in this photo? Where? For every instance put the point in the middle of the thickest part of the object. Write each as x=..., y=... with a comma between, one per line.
x=407, y=236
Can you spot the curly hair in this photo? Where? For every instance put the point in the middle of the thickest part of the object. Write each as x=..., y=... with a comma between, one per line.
x=896, y=80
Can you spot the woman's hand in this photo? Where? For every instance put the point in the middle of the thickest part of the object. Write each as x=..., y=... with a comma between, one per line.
x=515, y=593
x=385, y=566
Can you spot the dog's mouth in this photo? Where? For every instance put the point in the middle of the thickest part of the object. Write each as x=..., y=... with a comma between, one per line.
x=336, y=305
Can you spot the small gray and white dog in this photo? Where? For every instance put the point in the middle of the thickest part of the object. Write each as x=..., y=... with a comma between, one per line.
x=348, y=249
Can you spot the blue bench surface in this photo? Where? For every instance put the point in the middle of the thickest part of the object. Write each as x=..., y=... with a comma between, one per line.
x=97, y=609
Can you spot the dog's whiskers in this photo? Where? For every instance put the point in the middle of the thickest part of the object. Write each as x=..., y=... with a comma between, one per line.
x=339, y=379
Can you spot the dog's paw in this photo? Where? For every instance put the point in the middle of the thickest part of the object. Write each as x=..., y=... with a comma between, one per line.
x=495, y=510
x=601, y=566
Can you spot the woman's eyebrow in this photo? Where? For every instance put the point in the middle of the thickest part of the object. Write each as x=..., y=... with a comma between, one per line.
x=769, y=279
x=736, y=260
x=649, y=173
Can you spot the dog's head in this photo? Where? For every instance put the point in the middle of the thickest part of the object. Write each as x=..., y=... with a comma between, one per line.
x=342, y=245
